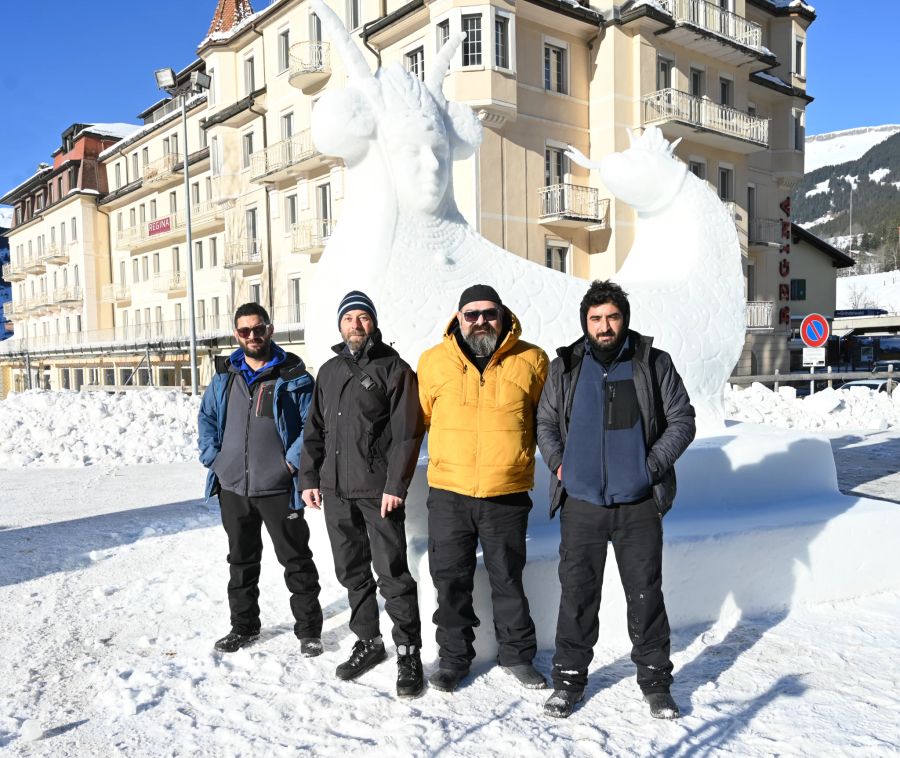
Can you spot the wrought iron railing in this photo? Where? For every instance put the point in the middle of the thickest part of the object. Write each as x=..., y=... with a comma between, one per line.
x=713, y=18
x=573, y=201
x=672, y=104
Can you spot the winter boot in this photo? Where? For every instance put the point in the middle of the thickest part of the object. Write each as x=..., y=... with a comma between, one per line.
x=310, y=647
x=447, y=680
x=233, y=641
x=365, y=655
x=662, y=706
x=562, y=702
x=410, y=681
x=527, y=674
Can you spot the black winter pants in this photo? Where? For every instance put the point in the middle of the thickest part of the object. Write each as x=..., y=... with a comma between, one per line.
x=360, y=541
x=243, y=518
x=636, y=533
x=456, y=523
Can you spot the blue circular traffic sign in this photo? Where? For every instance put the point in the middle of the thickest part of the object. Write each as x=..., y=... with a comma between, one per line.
x=814, y=330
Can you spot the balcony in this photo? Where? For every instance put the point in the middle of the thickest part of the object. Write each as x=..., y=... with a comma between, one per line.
x=310, y=65
x=164, y=230
x=244, y=254
x=118, y=294
x=679, y=114
x=767, y=232
x=162, y=171
x=13, y=272
x=286, y=159
x=13, y=311
x=573, y=205
x=172, y=282
x=57, y=253
x=36, y=264
x=68, y=296
x=707, y=29
x=310, y=237
x=759, y=314
x=38, y=304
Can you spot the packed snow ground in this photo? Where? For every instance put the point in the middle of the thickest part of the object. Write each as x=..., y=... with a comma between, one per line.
x=870, y=291
x=113, y=589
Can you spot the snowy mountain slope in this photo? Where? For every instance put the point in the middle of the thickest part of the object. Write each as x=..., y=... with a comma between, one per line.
x=834, y=148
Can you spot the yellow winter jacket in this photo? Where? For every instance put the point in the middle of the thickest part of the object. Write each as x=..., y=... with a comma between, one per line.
x=481, y=427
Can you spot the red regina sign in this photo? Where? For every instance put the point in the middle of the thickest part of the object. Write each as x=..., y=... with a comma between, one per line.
x=160, y=225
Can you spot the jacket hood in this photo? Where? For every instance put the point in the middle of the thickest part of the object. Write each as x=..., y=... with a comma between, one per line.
x=291, y=365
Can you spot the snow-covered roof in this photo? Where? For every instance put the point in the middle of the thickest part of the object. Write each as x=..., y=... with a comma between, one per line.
x=793, y=4
x=772, y=78
x=44, y=169
x=108, y=130
x=224, y=36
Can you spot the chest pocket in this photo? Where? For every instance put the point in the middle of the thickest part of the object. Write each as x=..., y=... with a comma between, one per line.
x=622, y=410
x=264, y=406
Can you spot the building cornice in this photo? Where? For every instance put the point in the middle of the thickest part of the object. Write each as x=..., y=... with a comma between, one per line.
x=784, y=10
x=784, y=89
x=839, y=259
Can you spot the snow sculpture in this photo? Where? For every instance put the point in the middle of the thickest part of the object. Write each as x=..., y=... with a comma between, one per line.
x=403, y=241
x=683, y=273
x=401, y=237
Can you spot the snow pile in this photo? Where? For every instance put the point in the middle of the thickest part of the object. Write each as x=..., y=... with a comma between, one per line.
x=825, y=410
x=870, y=291
x=44, y=428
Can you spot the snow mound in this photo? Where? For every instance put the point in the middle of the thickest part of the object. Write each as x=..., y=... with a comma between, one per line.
x=66, y=429
x=826, y=410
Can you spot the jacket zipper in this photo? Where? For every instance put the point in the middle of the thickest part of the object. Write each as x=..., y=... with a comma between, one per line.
x=610, y=394
x=247, y=444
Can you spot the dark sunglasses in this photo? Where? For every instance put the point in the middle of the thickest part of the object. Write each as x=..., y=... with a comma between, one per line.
x=257, y=331
x=490, y=314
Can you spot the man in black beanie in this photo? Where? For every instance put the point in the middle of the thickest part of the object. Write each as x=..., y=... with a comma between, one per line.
x=479, y=391
x=613, y=419
x=360, y=448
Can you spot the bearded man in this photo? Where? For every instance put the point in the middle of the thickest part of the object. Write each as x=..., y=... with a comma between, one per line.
x=479, y=391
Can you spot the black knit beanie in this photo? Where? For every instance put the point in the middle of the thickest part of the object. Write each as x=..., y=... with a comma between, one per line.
x=357, y=301
x=479, y=292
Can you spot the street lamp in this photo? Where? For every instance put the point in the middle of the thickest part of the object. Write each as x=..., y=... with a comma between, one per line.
x=198, y=81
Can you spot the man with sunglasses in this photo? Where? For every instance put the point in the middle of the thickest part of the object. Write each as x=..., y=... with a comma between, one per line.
x=360, y=450
x=479, y=391
x=251, y=428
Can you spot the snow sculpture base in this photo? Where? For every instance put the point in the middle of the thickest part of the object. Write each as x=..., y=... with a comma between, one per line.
x=759, y=526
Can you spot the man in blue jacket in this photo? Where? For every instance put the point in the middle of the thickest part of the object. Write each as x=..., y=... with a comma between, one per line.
x=251, y=430
x=613, y=418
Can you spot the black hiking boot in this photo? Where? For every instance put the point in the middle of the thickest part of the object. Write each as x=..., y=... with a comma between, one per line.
x=310, y=647
x=365, y=655
x=662, y=706
x=447, y=680
x=410, y=680
x=527, y=675
x=562, y=702
x=233, y=641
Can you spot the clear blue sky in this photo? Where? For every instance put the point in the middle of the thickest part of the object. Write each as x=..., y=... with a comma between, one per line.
x=63, y=62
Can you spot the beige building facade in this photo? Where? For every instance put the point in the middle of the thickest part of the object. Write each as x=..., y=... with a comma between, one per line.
x=727, y=77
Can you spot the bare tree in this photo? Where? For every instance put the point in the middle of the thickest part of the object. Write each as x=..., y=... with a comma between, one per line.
x=859, y=297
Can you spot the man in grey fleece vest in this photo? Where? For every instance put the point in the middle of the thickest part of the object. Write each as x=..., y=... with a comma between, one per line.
x=251, y=423
x=613, y=418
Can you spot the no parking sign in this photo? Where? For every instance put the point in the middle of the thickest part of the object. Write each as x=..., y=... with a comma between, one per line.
x=814, y=330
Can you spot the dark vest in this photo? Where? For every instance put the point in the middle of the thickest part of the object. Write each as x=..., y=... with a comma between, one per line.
x=605, y=458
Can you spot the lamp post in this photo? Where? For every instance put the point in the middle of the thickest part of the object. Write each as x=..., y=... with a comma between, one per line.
x=198, y=81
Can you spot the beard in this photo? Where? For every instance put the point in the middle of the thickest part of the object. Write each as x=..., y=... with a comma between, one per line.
x=482, y=342
x=607, y=344
x=355, y=339
x=258, y=351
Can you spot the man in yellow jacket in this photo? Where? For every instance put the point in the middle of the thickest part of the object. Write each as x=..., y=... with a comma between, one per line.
x=479, y=391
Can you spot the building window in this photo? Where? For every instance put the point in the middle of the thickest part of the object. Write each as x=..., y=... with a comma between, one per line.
x=797, y=123
x=501, y=42
x=555, y=69
x=176, y=260
x=354, y=15
x=152, y=209
x=134, y=167
x=255, y=292
x=698, y=82
x=249, y=75
x=214, y=155
x=555, y=166
x=201, y=314
x=173, y=202
x=698, y=169
x=443, y=33
x=725, y=91
x=145, y=156
x=119, y=222
x=166, y=146
x=246, y=149
x=294, y=299
x=798, y=57
x=471, y=51
x=135, y=271
x=156, y=263
x=415, y=62
x=213, y=252
x=798, y=289
x=211, y=92
x=290, y=211
x=663, y=73
x=118, y=175
x=726, y=184
x=287, y=126
x=143, y=213
x=132, y=217
x=556, y=257
x=284, y=50
x=751, y=110
x=145, y=268
x=198, y=255
x=195, y=193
